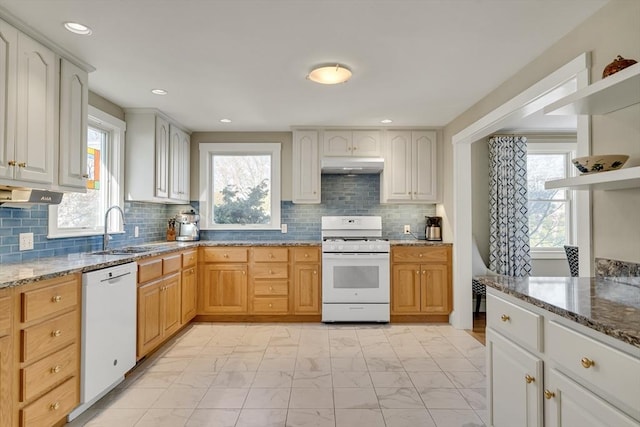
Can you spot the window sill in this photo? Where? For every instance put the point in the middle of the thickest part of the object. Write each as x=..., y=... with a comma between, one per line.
x=81, y=234
x=555, y=254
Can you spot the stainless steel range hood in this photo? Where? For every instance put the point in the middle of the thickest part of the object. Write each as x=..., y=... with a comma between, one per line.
x=352, y=165
x=15, y=195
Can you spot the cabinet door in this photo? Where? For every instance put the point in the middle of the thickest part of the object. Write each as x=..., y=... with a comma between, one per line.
x=396, y=177
x=162, y=158
x=186, y=167
x=569, y=404
x=306, y=167
x=435, y=290
x=224, y=288
x=149, y=317
x=6, y=395
x=306, y=278
x=425, y=174
x=36, y=106
x=171, y=305
x=366, y=143
x=514, y=384
x=74, y=95
x=189, y=295
x=337, y=143
x=179, y=164
x=405, y=289
x=8, y=58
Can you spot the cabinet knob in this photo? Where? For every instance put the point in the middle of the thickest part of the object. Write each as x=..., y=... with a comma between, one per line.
x=54, y=406
x=55, y=369
x=56, y=333
x=270, y=255
x=315, y=272
x=505, y=318
x=420, y=255
x=244, y=272
x=226, y=255
x=56, y=298
x=417, y=271
x=587, y=363
x=270, y=305
x=12, y=163
x=549, y=394
x=22, y=165
x=270, y=288
x=314, y=192
x=424, y=271
x=355, y=148
x=306, y=255
x=529, y=379
x=270, y=271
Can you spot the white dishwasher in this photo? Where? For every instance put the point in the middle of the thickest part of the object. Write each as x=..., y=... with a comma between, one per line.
x=108, y=331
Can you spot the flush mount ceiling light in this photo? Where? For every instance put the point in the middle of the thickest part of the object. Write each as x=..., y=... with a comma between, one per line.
x=330, y=74
x=159, y=91
x=77, y=28
x=225, y=120
x=386, y=121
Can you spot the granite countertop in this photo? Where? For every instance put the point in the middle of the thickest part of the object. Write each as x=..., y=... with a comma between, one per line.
x=607, y=306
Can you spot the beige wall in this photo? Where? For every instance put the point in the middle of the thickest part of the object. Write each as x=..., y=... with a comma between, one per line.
x=285, y=138
x=613, y=30
x=105, y=105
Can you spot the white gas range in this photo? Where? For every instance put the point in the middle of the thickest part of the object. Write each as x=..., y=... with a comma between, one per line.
x=355, y=270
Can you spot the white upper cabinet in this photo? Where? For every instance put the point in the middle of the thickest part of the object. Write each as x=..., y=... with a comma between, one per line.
x=338, y=143
x=157, y=168
x=8, y=59
x=74, y=94
x=410, y=172
x=306, y=167
x=179, y=165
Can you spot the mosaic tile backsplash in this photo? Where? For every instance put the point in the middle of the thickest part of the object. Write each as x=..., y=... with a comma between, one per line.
x=341, y=195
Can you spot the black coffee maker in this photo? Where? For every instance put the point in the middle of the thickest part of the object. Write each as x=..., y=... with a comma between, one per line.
x=433, y=229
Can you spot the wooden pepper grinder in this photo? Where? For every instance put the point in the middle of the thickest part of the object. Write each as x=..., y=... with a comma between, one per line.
x=171, y=230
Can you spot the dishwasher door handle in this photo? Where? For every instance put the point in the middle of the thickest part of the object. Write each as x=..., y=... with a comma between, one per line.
x=115, y=277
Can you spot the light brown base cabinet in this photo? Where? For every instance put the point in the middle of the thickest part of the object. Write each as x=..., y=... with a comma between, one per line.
x=306, y=281
x=189, y=286
x=6, y=347
x=421, y=280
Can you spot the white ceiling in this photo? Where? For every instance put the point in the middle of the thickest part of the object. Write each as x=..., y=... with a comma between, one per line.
x=418, y=62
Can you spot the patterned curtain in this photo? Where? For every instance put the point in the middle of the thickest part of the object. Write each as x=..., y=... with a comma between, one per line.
x=509, y=251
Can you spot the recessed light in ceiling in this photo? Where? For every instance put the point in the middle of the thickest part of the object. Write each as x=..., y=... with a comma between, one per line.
x=225, y=120
x=330, y=74
x=159, y=91
x=77, y=28
x=386, y=121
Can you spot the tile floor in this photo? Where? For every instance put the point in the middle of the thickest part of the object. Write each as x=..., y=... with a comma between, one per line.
x=262, y=375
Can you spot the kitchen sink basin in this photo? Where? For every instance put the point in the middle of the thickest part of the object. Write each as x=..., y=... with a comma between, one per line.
x=124, y=251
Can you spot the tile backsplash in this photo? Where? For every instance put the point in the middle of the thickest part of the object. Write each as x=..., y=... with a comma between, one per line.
x=341, y=195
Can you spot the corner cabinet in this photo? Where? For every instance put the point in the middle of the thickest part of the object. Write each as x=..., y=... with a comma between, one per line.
x=157, y=161
x=410, y=172
x=306, y=167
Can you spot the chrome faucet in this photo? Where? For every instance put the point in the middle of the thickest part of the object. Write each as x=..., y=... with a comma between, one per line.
x=105, y=242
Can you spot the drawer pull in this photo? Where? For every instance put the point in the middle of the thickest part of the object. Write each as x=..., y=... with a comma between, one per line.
x=549, y=394
x=270, y=271
x=315, y=272
x=244, y=272
x=56, y=298
x=417, y=271
x=12, y=163
x=529, y=379
x=420, y=254
x=587, y=363
x=54, y=406
x=226, y=255
x=306, y=255
x=505, y=318
x=270, y=255
x=270, y=305
x=22, y=165
x=55, y=369
x=56, y=333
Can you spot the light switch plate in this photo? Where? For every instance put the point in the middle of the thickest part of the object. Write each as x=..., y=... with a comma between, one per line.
x=26, y=241
x=284, y=228
x=407, y=229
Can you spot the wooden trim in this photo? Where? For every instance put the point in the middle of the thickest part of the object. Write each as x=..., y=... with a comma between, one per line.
x=420, y=318
x=257, y=318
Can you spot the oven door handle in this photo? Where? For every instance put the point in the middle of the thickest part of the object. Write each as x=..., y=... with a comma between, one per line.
x=342, y=256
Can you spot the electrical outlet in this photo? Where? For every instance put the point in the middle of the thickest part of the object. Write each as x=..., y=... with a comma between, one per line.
x=26, y=241
x=407, y=229
x=136, y=231
x=284, y=228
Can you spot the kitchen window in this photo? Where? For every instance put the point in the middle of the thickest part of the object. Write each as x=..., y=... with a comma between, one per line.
x=240, y=186
x=551, y=215
x=82, y=214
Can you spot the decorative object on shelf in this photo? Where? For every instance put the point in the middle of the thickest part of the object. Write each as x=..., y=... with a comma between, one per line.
x=599, y=163
x=618, y=64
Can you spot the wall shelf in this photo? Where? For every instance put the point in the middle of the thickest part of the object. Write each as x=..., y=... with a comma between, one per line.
x=615, y=92
x=612, y=180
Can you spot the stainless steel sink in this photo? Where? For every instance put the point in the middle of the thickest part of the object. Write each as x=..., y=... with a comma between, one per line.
x=124, y=251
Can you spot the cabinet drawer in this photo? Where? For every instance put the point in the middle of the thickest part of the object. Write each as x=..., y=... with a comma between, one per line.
x=270, y=254
x=5, y=312
x=270, y=305
x=51, y=407
x=271, y=288
x=189, y=259
x=48, y=336
x=306, y=254
x=149, y=270
x=517, y=323
x=40, y=376
x=225, y=254
x=61, y=295
x=171, y=263
x=270, y=271
x=612, y=371
x=425, y=254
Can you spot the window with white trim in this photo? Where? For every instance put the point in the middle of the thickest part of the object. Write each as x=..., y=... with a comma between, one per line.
x=551, y=213
x=240, y=186
x=82, y=214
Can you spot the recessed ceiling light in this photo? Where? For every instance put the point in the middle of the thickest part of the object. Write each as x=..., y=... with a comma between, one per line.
x=159, y=91
x=386, y=121
x=225, y=120
x=330, y=74
x=77, y=28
